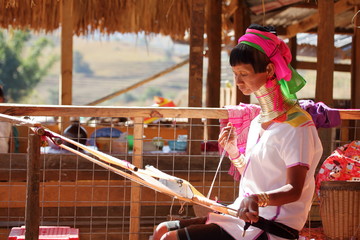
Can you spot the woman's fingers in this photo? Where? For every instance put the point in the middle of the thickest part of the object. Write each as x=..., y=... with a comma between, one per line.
x=242, y=213
x=248, y=216
x=252, y=216
x=223, y=135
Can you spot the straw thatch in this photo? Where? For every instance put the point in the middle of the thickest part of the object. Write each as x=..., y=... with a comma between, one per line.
x=168, y=17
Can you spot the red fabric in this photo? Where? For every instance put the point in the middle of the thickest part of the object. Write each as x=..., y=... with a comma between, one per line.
x=312, y=234
x=342, y=165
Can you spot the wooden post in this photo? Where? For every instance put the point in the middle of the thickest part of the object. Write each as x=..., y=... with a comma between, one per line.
x=355, y=70
x=66, y=52
x=325, y=64
x=325, y=52
x=135, y=204
x=241, y=22
x=65, y=83
x=32, y=215
x=293, y=49
x=213, y=81
x=196, y=53
x=196, y=71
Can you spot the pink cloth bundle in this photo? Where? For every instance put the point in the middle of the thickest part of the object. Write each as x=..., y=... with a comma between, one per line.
x=240, y=116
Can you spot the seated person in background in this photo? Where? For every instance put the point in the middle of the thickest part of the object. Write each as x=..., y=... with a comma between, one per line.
x=5, y=129
x=282, y=151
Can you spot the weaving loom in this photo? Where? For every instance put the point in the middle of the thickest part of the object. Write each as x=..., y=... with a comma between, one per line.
x=150, y=176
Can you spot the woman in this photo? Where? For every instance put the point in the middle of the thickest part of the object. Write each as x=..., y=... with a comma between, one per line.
x=282, y=151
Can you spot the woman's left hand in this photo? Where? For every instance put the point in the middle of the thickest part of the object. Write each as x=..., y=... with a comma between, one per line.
x=249, y=209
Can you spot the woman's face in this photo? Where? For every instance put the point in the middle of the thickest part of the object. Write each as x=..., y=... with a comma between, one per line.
x=247, y=80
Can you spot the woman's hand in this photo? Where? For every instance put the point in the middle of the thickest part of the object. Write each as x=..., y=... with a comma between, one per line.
x=249, y=209
x=228, y=140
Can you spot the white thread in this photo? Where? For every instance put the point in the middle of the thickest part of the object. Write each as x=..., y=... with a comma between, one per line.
x=182, y=209
x=218, y=167
x=171, y=207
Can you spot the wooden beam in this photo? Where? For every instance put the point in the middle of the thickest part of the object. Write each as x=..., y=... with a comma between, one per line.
x=107, y=111
x=83, y=194
x=65, y=89
x=355, y=70
x=138, y=84
x=312, y=21
x=313, y=66
x=241, y=21
x=350, y=114
x=325, y=53
x=271, y=5
x=213, y=80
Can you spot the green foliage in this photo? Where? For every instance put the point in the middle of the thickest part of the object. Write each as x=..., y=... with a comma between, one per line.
x=20, y=72
x=80, y=66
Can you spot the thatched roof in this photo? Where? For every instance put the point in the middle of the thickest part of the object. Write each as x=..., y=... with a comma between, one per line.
x=167, y=17
x=107, y=16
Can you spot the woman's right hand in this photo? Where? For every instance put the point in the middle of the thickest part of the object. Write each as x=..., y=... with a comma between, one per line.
x=228, y=140
x=249, y=209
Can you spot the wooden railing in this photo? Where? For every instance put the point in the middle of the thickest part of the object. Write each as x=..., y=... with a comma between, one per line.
x=144, y=112
x=138, y=114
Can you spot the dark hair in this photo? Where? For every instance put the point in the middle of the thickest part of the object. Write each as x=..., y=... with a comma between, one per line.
x=245, y=54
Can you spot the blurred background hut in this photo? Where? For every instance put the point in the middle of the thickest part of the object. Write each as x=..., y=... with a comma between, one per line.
x=323, y=35
x=221, y=21
x=209, y=28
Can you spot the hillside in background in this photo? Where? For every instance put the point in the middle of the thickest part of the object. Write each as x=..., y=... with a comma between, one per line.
x=117, y=62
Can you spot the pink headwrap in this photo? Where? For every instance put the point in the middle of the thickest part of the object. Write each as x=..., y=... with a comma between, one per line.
x=274, y=47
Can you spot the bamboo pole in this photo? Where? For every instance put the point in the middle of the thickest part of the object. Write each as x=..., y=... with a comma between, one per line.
x=32, y=214
x=138, y=84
